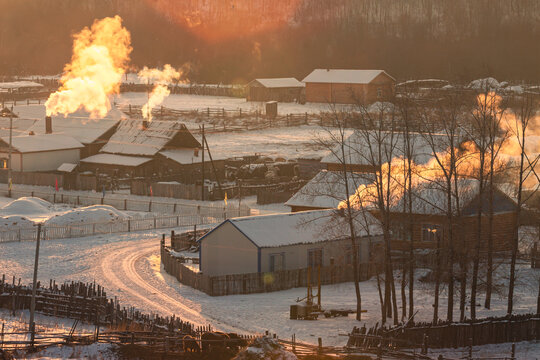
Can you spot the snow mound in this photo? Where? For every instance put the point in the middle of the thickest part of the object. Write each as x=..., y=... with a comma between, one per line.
x=88, y=214
x=8, y=222
x=265, y=348
x=27, y=206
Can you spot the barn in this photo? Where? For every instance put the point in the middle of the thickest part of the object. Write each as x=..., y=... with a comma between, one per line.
x=39, y=152
x=275, y=89
x=133, y=148
x=277, y=242
x=337, y=86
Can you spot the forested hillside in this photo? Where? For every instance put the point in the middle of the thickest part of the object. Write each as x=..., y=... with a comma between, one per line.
x=236, y=40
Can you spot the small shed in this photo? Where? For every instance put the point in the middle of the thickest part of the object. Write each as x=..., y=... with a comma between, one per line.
x=278, y=242
x=39, y=152
x=275, y=89
x=349, y=86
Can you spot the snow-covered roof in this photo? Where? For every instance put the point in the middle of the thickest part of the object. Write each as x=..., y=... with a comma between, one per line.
x=67, y=167
x=361, y=148
x=280, y=82
x=20, y=126
x=304, y=227
x=483, y=84
x=78, y=125
x=327, y=189
x=113, y=159
x=343, y=76
x=131, y=139
x=430, y=198
x=44, y=142
x=187, y=156
x=19, y=84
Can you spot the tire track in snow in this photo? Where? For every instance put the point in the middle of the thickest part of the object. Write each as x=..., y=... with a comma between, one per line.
x=119, y=267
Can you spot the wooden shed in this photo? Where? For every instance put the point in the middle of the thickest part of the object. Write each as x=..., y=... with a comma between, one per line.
x=270, y=243
x=349, y=86
x=276, y=89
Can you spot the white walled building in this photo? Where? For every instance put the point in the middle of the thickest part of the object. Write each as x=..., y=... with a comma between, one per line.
x=286, y=241
x=39, y=152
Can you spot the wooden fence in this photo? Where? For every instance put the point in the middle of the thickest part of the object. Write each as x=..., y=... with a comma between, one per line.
x=257, y=282
x=49, y=232
x=75, y=182
x=123, y=202
x=453, y=335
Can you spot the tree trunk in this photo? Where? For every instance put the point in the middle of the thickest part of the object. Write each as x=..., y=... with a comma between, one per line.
x=403, y=284
x=437, y=281
x=489, y=274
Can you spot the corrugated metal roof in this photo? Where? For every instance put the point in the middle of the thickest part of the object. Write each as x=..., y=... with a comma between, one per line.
x=343, y=76
x=113, y=159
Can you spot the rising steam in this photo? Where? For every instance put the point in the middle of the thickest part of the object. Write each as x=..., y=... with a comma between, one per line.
x=160, y=79
x=100, y=56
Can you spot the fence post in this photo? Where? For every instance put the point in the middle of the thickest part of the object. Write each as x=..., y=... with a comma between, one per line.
x=150, y=206
x=155, y=223
x=513, y=351
x=125, y=204
x=129, y=225
x=78, y=200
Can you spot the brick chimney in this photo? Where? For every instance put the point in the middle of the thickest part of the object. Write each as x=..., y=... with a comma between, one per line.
x=145, y=124
x=48, y=125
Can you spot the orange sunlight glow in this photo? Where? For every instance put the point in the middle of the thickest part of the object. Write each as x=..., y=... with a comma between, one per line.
x=227, y=19
x=100, y=58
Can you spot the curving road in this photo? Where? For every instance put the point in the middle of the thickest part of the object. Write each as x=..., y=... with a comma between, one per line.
x=131, y=271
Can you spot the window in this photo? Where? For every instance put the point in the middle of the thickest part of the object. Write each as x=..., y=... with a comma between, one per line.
x=314, y=258
x=4, y=163
x=431, y=233
x=379, y=93
x=277, y=262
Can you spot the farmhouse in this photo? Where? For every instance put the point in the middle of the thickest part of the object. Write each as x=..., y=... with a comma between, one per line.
x=133, y=148
x=277, y=242
x=326, y=190
x=349, y=86
x=276, y=89
x=430, y=223
x=39, y=152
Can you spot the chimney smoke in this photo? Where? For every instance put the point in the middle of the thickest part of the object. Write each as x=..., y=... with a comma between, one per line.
x=48, y=125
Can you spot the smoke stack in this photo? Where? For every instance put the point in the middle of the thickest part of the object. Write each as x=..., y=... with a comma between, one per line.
x=48, y=125
x=145, y=124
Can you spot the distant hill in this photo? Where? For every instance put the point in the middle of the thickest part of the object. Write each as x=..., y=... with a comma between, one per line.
x=237, y=40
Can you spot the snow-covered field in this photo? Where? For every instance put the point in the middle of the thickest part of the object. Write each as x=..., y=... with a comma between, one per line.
x=194, y=102
x=128, y=266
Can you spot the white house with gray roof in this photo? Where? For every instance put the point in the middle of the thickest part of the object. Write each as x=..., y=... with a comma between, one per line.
x=277, y=242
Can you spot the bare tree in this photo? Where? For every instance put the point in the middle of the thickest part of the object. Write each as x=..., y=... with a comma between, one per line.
x=524, y=108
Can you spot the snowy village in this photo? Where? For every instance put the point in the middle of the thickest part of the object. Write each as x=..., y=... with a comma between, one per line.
x=269, y=179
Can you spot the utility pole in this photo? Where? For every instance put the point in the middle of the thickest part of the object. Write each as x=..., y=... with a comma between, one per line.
x=9, y=156
x=239, y=197
x=34, y=285
x=203, y=142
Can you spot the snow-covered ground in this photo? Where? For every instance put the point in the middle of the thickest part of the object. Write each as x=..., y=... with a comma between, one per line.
x=25, y=212
x=250, y=201
x=194, y=102
x=128, y=265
